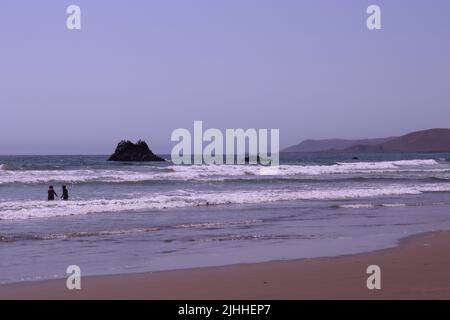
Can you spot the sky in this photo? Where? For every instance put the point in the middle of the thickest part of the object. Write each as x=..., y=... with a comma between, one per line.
x=141, y=69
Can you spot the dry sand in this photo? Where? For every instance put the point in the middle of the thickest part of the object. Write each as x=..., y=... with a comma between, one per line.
x=419, y=268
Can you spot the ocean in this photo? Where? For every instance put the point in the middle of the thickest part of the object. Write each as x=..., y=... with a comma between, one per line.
x=136, y=217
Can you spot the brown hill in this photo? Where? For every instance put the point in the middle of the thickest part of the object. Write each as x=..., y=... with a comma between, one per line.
x=426, y=141
x=434, y=140
x=331, y=144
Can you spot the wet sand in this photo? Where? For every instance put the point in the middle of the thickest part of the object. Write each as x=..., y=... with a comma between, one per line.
x=419, y=268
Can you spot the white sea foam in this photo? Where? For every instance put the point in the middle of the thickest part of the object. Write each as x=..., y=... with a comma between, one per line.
x=394, y=205
x=365, y=167
x=357, y=206
x=371, y=205
x=213, y=172
x=183, y=199
x=418, y=162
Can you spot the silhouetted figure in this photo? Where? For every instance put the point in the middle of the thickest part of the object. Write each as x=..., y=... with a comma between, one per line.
x=51, y=193
x=65, y=193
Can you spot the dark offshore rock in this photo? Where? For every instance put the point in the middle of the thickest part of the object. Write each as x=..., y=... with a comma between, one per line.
x=247, y=159
x=129, y=151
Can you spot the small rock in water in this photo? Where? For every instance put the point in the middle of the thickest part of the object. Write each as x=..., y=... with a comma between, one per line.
x=129, y=151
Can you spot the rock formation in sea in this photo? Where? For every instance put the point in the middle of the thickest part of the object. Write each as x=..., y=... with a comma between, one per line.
x=129, y=151
x=425, y=141
x=248, y=158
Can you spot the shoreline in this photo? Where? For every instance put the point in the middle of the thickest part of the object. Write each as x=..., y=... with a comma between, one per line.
x=417, y=268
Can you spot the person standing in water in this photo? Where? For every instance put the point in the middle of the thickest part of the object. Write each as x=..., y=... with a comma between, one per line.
x=65, y=193
x=51, y=193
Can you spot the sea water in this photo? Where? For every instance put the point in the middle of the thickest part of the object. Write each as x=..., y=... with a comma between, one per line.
x=135, y=217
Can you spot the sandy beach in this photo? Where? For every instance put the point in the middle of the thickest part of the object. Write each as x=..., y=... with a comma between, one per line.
x=419, y=268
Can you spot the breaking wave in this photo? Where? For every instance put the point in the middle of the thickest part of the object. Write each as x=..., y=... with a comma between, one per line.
x=212, y=172
x=13, y=210
x=371, y=205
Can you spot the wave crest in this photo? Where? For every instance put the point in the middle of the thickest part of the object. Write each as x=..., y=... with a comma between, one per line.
x=183, y=199
x=212, y=172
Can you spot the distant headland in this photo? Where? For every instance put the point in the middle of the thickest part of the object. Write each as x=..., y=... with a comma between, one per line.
x=426, y=141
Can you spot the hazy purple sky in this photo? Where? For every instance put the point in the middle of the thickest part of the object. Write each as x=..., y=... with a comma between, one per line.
x=140, y=69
